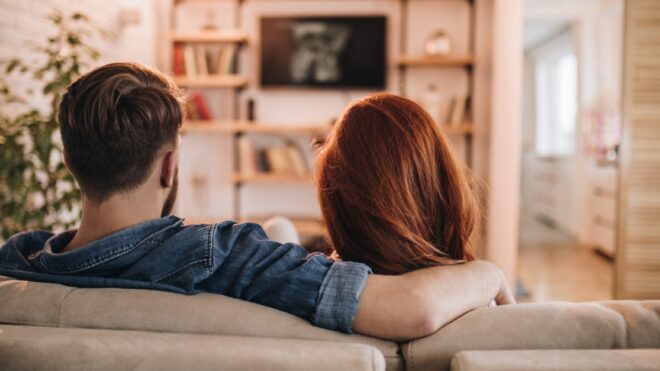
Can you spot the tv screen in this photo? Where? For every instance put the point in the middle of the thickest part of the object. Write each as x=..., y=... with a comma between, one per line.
x=323, y=52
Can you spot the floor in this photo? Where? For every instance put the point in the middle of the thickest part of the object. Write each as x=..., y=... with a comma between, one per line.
x=552, y=266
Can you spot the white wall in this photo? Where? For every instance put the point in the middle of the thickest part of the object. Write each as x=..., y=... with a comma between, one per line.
x=504, y=181
x=23, y=23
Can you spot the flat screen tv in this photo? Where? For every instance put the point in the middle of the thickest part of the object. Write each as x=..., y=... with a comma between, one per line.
x=323, y=52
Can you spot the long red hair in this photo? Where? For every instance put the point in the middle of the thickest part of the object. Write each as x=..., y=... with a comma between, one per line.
x=391, y=191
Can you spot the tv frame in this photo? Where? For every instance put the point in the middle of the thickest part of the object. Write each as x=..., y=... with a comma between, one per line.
x=386, y=62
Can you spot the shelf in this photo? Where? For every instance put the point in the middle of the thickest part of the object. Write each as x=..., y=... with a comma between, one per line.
x=248, y=127
x=233, y=36
x=234, y=127
x=207, y=126
x=439, y=61
x=270, y=178
x=212, y=81
x=179, y=2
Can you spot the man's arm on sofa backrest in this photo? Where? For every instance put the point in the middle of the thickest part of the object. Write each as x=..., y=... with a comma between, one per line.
x=418, y=303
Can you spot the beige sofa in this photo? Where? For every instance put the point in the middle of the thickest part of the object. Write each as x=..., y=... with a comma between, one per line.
x=48, y=326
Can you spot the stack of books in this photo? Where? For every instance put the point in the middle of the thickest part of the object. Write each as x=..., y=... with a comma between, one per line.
x=285, y=159
x=195, y=60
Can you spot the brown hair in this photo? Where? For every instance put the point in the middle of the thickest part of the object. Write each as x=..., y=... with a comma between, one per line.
x=115, y=121
x=392, y=194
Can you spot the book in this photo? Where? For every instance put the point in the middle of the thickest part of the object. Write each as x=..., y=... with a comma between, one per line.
x=191, y=110
x=297, y=159
x=189, y=61
x=201, y=107
x=279, y=160
x=226, y=60
x=263, y=165
x=467, y=116
x=200, y=60
x=450, y=110
x=212, y=56
x=178, y=61
x=458, y=113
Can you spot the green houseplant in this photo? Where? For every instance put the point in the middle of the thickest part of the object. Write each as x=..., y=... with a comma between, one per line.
x=36, y=190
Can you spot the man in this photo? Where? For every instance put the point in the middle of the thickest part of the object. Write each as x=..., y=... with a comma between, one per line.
x=119, y=127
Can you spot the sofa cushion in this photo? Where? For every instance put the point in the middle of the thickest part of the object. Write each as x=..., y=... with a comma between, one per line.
x=557, y=360
x=45, y=304
x=606, y=325
x=37, y=348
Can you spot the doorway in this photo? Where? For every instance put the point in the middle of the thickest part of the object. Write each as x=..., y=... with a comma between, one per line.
x=570, y=135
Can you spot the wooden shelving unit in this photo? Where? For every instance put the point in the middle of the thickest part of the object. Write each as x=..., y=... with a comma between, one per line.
x=247, y=127
x=234, y=127
x=240, y=179
x=233, y=36
x=233, y=81
x=467, y=61
x=239, y=128
x=212, y=81
x=270, y=178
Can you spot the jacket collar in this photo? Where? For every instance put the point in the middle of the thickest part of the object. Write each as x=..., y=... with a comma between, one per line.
x=99, y=251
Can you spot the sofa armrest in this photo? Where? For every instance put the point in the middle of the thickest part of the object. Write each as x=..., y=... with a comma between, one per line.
x=606, y=325
x=36, y=348
x=557, y=360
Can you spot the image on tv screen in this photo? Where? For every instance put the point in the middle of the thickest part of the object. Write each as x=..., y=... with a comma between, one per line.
x=333, y=52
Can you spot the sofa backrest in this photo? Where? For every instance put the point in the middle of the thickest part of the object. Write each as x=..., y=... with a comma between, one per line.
x=557, y=360
x=607, y=325
x=604, y=325
x=40, y=348
x=45, y=304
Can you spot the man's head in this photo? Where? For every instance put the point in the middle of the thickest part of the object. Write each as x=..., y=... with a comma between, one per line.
x=119, y=125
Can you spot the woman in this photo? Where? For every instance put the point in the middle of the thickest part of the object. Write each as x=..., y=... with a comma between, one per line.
x=391, y=191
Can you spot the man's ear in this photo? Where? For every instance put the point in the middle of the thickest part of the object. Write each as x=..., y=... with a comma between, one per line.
x=169, y=164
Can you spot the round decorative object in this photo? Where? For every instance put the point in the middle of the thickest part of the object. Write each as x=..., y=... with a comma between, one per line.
x=438, y=44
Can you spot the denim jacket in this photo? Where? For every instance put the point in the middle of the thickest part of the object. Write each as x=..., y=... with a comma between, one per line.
x=236, y=260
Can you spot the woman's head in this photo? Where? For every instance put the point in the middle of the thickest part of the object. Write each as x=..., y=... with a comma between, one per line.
x=392, y=194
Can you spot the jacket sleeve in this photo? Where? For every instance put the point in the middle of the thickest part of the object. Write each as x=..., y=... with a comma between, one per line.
x=249, y=266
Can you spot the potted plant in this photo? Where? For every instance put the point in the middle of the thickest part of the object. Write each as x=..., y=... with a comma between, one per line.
x=36, y=190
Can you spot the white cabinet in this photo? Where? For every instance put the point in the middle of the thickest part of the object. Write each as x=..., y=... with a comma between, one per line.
x=603, y=200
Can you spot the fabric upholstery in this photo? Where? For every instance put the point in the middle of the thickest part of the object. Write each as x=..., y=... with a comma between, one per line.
x=37, y=348
x=43, y=304
x=606, y=325
x=557, y=360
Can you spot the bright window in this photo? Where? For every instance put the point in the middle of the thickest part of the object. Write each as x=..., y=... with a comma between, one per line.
x=556, y=78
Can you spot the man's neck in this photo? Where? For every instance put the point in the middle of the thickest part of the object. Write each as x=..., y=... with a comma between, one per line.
x=112, y=215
